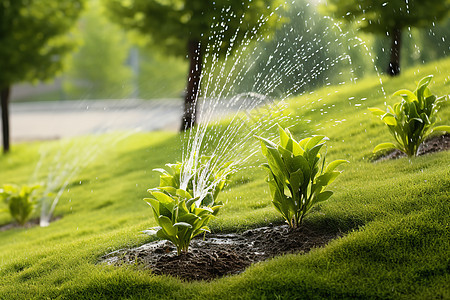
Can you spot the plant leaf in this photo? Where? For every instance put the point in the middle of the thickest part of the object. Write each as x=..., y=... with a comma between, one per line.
x=331, y=166
x=441, y=128
x=161, y=197
x=384, y=146
x=323, y=196
x=376, y=111
x=406, y=94
x=167, y=226
x=389, y=119
x=182, y=224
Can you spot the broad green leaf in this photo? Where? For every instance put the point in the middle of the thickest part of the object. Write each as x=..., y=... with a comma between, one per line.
x=208, y=200
x=304, y=166
x=326, y=178
x=182, y=224
x=160, y=170
x=167, y=226
x=297, y=149
x=169, y=189
x=182, y=209
x=174, y=168
x=406, y=94
x=154, y=204
x=296, y=180
x=284, y=137
x=389, y=120
x=161, y=197
x=183, y=194
x=384, y=146
x=276, y=163
x=376, y=111
x=445, y=128
x=188, y=218
x=323, y=196
x=313, y=142
x=313, y=155
x=163, y=235
x=201, y=230
x=424, y=82
x=266, y=141
x=151, y=231
x=333, y=165
x=166, y=180
x=216, y=209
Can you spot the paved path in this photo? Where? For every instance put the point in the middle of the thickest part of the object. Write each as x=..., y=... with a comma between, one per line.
x=53, y=120
x=58, y=119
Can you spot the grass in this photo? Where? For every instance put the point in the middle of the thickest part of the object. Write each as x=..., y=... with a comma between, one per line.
x=395, y=214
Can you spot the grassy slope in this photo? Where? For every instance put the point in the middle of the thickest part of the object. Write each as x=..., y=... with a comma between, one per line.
x=396, y=214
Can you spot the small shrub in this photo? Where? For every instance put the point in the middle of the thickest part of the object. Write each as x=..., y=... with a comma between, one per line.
x=297, y=179
x=412, y=119
x=179, y=214
x=21, y=201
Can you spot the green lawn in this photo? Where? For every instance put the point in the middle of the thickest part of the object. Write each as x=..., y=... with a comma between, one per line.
x=395, y=215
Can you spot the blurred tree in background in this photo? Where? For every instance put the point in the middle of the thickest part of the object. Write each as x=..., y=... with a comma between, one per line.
x=390, y=18
x=160, y=76
x=306, y=52
x=99, y=69
x=182, y=27
x=421, y=45
x=33, y=43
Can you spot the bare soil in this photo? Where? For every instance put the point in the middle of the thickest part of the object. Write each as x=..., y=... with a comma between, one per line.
x=30, y=224
x=431, y=145
x=220, y=254
x=226, y=254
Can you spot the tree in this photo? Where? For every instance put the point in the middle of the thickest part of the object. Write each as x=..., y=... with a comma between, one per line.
x=34, y=40
x=99, y=68
x=306, y=52
x=390, y=18
x=183, y=27
x=160, y=76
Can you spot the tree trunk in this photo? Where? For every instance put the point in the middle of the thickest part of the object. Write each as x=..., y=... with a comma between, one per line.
x=195, y=55
x=394, y=63
x=4, y=98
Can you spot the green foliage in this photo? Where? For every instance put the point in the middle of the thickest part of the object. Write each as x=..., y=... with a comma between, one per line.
x=412, y=119
x=382, y=16
x=297, y=178
x=305, y=52
x=389, y=18
x=34, y=39
x=394, y=241
x=181, y=216
x=21, y=201
x=98, y=70
x=160, y=76
x=171, y=24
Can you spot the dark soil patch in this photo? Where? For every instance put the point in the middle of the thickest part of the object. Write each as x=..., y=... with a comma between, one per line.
x=431, y=145
x=29, y=224
x=220, y=254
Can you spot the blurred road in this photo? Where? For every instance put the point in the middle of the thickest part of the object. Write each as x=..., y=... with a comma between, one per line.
x=58, y=119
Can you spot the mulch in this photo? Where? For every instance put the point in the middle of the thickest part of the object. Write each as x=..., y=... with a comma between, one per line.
x=431, y=145
x=220, y=254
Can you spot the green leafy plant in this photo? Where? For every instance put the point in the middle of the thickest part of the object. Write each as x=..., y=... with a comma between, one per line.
x=412, y=119
x=21, y=201
x=179, y=214
x=297, y=177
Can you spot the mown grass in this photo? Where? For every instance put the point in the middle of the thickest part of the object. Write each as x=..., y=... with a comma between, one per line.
x=394, y=214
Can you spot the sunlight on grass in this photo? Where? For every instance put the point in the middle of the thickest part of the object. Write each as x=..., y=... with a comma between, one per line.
x=393, y=215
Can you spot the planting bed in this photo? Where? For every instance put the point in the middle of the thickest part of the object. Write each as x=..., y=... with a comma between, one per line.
x=431, y=145
x=221, y=254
